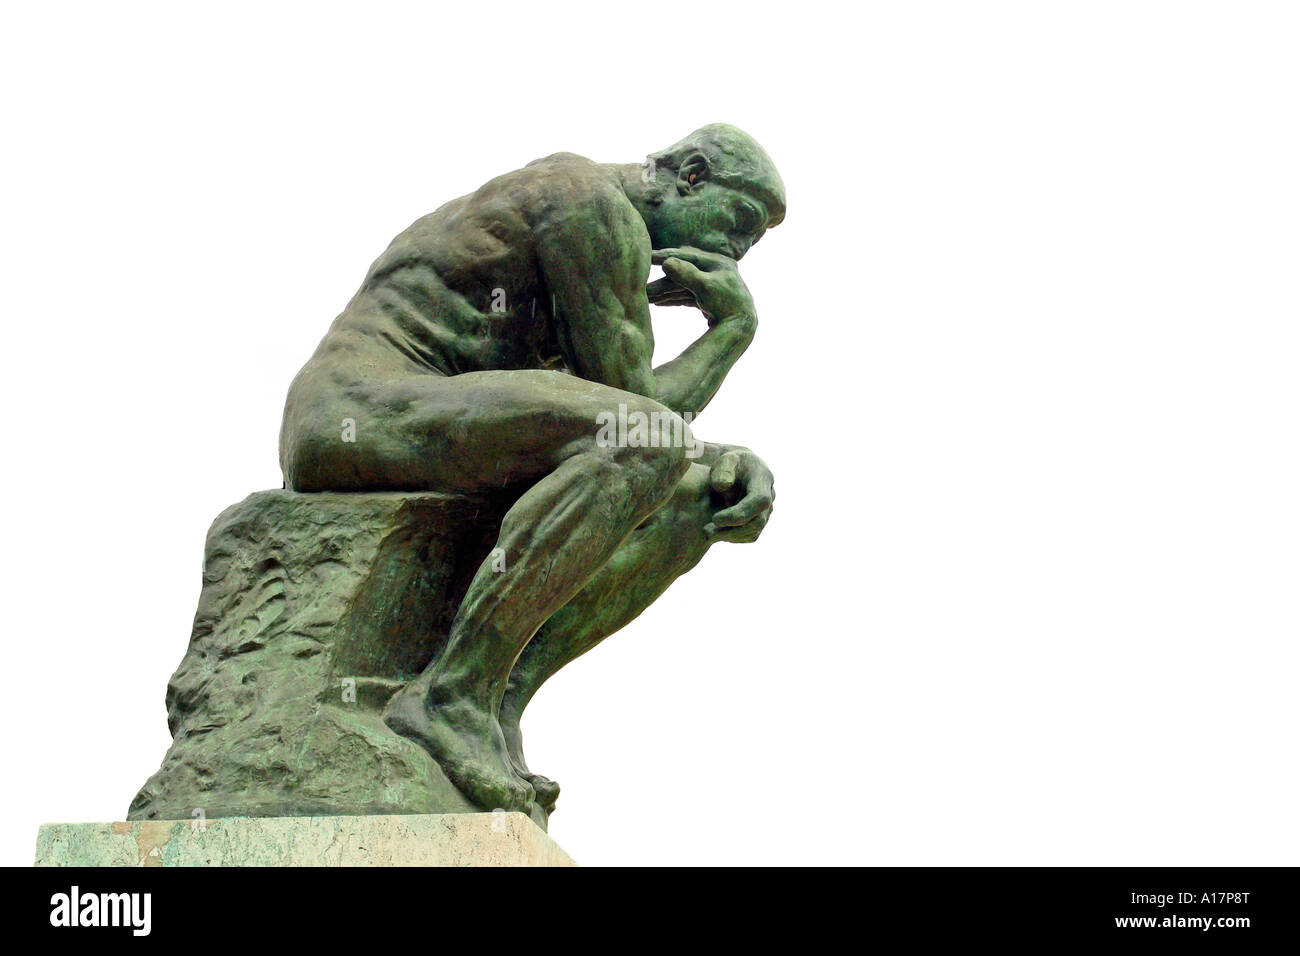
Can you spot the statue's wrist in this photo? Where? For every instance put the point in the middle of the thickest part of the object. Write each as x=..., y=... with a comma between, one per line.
x=744, y=322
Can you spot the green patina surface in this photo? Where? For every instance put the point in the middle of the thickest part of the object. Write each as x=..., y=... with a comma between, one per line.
x=485, y=476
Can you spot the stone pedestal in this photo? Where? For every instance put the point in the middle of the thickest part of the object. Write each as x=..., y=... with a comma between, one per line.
x=315, y=610
x=446, y=839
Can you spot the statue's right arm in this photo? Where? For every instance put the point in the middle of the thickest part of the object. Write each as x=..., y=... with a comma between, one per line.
x=595, y=259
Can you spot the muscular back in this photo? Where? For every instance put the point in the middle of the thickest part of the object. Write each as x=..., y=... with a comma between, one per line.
x=469, y=286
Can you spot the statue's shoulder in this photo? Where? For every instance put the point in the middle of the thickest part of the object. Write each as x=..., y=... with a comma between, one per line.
x=571, y=172
x=572, y=189
x=567, y=160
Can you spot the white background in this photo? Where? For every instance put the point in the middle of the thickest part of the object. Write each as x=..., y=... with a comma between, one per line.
x=1026, y=372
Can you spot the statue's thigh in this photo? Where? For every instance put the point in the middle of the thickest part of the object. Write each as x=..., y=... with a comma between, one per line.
x=465, y=433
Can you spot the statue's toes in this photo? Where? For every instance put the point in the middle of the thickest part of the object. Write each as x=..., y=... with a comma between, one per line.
x=548, y=791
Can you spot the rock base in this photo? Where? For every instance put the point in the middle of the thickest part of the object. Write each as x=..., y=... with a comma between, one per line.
x=315, y=610
x=445, y=839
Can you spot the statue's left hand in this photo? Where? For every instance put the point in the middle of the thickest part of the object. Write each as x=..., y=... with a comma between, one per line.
x=746, y=484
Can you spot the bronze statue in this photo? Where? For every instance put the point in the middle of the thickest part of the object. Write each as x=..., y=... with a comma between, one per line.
x=500, y=350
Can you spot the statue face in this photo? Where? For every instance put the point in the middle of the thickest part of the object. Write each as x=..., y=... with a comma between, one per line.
x=708, y=216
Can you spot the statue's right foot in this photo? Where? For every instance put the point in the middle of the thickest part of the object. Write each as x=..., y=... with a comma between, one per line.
x=468, y=745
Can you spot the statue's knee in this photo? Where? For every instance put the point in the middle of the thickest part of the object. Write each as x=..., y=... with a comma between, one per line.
x=648, y=475
x=669, y=463
x=693, y=487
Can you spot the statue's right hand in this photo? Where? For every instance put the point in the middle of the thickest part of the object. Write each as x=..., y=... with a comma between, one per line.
x=667, y=292
x=712, y=280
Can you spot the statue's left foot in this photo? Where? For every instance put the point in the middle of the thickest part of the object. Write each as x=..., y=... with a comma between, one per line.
x=466, y=742
x=547, y=790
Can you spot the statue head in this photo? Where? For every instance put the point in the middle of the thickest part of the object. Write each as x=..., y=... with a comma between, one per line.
x=716, y=190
